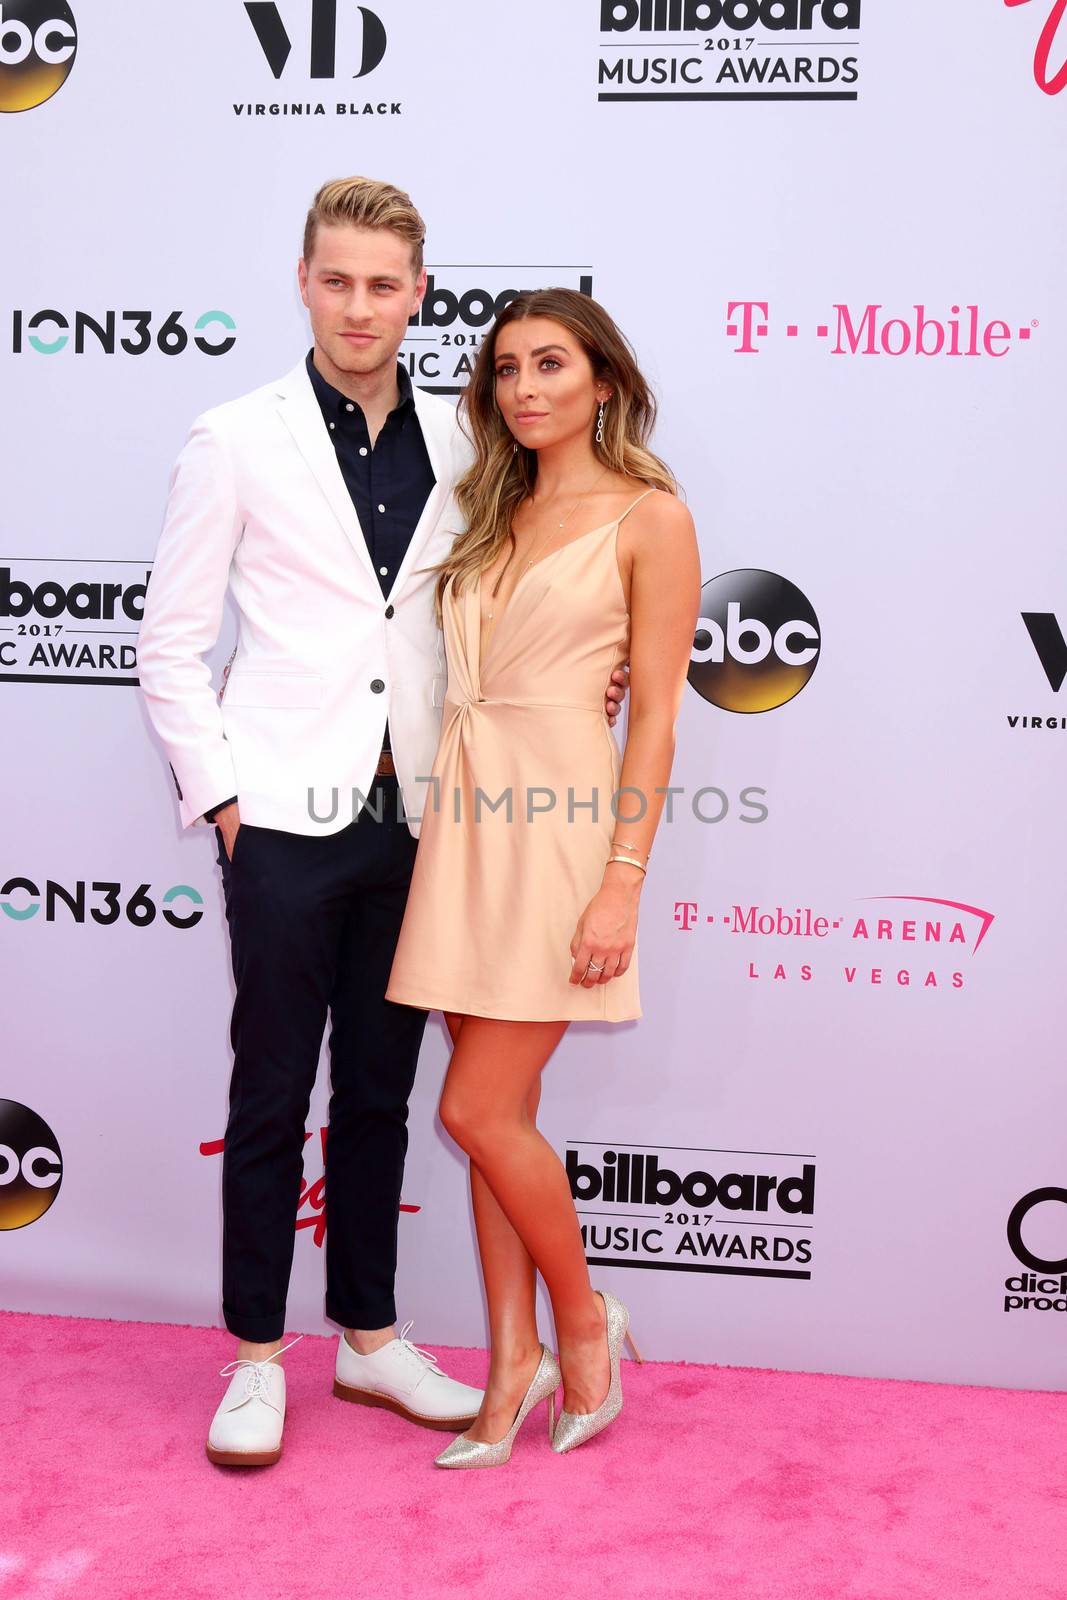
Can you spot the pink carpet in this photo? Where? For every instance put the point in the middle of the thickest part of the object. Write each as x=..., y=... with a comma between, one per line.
x=715, y=1482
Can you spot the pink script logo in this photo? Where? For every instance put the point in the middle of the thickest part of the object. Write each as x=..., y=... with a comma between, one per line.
x=1044, y=48
x=869, y=331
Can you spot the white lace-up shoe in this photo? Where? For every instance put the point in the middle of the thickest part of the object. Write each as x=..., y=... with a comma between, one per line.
x=246, y=1430
x=402, y=1378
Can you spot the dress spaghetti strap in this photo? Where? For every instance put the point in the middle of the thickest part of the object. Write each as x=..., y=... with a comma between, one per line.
x=637, y=502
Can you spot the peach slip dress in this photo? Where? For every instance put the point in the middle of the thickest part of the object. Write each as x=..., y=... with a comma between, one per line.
x=501, y=878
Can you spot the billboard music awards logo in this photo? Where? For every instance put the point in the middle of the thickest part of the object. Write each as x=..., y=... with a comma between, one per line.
x=330, y=41
x=312, y=1198
x=1043, y=1251
x=740, y=1213
x=31, y=1167
x=104, y=903
x=907, y=942
x=962, y=331
x=1051, y=44
x=756, y=643
x=131, y=333
x=722, y=50
x=460, y=304
x=1046, y=636
x=70, y=620
x=38, y=44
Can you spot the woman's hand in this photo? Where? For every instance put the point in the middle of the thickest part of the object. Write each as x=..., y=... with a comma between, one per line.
x=607, y=928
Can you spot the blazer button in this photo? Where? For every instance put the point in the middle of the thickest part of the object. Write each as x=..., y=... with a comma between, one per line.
x=377, y=685
x=389, y=611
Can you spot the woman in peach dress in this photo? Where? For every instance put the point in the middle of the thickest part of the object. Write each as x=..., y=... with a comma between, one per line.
x=522, y=915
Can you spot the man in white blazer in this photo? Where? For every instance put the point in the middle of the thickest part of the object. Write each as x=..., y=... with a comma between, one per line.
x=320, y=501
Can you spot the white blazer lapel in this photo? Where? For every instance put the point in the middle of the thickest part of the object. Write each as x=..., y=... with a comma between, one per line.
x=437, y=442
x=300, y=412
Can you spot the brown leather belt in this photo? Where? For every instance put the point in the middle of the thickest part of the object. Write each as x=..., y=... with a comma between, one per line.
x=385, y=767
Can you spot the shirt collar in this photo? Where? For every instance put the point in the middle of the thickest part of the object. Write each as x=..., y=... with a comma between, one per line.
x=332, y=400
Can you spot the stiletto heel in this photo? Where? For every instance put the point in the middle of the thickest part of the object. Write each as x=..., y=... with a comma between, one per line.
x=574, y=1428
x=463, y=1452
x=638, y=1357
x=551, y=1414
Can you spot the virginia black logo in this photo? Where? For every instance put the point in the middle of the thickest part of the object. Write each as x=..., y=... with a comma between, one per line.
x=266, y=18
x=31, y=1167
x=38, y=43
x=756, y=643
x=1046, y=636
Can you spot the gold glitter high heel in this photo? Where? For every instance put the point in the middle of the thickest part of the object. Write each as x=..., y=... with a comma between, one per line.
x=574, y=1428
x=463, y=1452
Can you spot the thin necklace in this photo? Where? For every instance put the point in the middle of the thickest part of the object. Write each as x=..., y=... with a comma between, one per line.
x=529, y=562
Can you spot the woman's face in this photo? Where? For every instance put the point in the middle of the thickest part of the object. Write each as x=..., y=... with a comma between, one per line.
x=545, y=385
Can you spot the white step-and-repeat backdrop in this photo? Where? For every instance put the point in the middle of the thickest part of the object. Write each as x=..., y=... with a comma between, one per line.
x=834, y=230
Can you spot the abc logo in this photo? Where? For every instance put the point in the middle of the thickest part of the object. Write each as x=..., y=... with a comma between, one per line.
x=756, y=642
x=38, y=43
x=31, y=1167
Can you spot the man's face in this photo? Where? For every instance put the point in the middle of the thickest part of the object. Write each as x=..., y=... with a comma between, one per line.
x=360, y=291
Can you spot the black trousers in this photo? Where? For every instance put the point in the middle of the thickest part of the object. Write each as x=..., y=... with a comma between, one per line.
x=314, y=921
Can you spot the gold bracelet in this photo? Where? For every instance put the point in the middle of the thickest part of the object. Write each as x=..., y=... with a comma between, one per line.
x=627, y=862
x=617, y=844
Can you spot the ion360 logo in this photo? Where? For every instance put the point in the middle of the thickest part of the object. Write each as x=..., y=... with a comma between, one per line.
x=38, y=43
x=31, y=1167
x=756, y=643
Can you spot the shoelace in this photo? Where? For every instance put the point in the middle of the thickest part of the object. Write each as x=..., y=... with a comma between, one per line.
x=424, y=1355
x=256, y=1377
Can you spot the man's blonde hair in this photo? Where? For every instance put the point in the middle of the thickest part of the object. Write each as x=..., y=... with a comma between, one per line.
x=366, y=203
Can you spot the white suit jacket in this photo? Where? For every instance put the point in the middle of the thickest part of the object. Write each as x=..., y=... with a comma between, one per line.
x=258, y=504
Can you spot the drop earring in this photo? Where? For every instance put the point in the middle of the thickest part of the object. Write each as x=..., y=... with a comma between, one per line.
x=600, y=424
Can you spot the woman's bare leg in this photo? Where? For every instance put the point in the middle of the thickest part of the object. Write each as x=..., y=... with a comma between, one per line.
x=524, y=1214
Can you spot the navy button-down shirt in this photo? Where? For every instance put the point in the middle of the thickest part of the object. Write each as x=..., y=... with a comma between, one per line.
x=389, y=481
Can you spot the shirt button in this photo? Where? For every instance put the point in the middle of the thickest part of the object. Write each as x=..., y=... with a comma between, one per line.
x=389, y=611
x=332, y=426
x=377, y=685
x=349, y=406
x=381, y=508
x=363, y=449
x=384, y=571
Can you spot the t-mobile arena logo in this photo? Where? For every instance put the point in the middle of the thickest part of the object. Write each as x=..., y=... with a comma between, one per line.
x=873, y=330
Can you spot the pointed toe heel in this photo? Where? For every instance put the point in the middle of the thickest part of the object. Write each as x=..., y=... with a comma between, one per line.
x=464, y=1452
x=575, y=1428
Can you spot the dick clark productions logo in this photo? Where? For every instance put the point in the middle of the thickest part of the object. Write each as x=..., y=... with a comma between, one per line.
x=38, y=43
x=31, y=1167
x=1044, y=1287
x=756, y=643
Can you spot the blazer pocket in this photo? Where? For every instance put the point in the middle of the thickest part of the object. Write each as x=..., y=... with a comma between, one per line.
x=247, y=687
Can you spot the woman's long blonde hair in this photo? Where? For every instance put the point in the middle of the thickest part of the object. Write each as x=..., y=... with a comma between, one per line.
x=501, y=476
